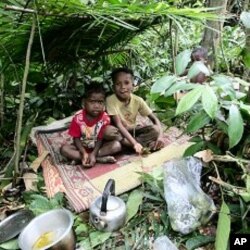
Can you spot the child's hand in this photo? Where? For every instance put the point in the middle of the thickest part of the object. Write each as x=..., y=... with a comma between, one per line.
x=86, y=160
x=159, y=143
x=92, y=160
x=138, y=148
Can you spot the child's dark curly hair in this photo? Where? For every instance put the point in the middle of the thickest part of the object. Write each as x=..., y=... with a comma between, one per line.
x=116, y=71
x=94, y=87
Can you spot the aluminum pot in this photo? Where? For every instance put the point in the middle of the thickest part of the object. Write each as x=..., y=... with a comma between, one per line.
x=58, y=223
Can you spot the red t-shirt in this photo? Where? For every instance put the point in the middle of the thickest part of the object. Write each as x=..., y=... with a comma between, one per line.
x=88, y=131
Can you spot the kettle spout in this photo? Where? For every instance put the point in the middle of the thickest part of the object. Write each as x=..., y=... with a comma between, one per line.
x=100, y=224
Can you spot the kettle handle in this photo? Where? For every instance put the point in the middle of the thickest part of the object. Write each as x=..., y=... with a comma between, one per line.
x=108, y=190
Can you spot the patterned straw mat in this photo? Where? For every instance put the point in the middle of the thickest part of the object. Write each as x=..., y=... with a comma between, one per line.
x=82, y=186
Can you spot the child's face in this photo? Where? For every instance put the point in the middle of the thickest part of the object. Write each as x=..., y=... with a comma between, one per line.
x=94, y=104
x=123, y=86
x=198, y=56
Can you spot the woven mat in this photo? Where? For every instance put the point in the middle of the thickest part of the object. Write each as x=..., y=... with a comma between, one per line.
x=82, y=186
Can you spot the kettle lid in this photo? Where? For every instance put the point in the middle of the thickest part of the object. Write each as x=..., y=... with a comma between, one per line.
x=113, y=203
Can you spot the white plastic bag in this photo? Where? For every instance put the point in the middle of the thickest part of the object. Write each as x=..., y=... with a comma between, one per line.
x=164, y=243
x=188, y=206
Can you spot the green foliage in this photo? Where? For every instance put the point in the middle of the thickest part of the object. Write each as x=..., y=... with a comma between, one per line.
x=188, y=101
x=39, y=204
x=10, y=245
x=196, y=68
x=217, y=101
x=198, y=241
x=210, y=101
x=223, y=228
x=235, y=126
x=182, y=61
x=133, y=204
x=198, y=121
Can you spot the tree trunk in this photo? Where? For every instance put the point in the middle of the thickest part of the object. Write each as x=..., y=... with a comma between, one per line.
x=212, y=33
x=246, y=75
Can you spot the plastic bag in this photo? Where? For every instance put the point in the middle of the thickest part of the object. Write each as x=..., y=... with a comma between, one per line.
x=164, y=243
x=188, y=206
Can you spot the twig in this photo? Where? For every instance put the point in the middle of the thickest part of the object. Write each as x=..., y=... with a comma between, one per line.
x=219, y=178
x=246, y=212
x=225, y=184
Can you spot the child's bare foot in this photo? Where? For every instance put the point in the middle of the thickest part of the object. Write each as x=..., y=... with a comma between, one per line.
x=106, y=159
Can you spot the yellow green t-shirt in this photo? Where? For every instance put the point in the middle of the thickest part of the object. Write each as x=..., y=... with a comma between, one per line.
x=127, y=112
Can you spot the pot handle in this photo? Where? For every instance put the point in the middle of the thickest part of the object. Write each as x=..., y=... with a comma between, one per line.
x=108, y=190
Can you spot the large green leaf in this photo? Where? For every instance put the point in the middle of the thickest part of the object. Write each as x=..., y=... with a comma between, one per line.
x=188, y=100
x=182, y=85
x=198, y=121
x=209, y=101
x=222, y=80
x=133, y=203
x=10, y=245
x=193, y=149
x=198, y=241
x=223, y=228
x=246, y=57
x=225, y=85
x=196, y=68
x=97, y=238
x=182, y=61
x=235, y=126
x=162, y=84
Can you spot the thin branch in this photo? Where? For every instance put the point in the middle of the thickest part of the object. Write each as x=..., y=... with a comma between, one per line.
x=31, y=11
x=226, y=185
x=21, y=105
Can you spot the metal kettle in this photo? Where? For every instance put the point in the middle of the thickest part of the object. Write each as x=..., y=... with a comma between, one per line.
x=108, y=212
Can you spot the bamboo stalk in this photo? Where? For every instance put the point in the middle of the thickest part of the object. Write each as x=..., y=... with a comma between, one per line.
x=1, y=100
x=21, y=105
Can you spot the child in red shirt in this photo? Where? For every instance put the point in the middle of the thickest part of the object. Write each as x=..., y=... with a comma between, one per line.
x=87, y=129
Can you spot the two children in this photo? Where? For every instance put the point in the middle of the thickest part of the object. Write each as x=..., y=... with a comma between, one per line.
x=92, y=124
